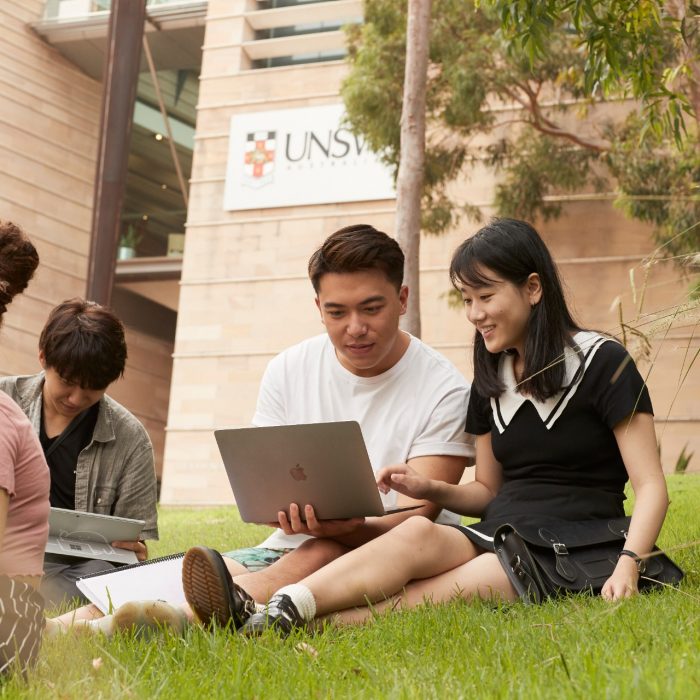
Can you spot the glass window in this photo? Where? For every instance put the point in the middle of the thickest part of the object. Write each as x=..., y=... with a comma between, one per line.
x=298, y=29
x=272, y=4
x=298, y=59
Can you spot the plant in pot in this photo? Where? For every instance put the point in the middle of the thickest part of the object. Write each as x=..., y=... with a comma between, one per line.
x=128, y=242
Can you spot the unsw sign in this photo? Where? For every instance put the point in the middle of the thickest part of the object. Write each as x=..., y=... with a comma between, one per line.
x=292, y=157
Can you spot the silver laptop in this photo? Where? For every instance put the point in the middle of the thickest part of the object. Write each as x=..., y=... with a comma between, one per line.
x=322, y=464
x=90, y=535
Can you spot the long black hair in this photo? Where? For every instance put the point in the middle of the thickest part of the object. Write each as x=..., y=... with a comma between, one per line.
x=513, y=250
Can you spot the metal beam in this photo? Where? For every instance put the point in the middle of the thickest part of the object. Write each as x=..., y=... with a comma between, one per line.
x=121, y=72
x=166, y=120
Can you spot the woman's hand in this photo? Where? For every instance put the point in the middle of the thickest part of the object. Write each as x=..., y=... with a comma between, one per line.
x=405, y=480
x=623, y=582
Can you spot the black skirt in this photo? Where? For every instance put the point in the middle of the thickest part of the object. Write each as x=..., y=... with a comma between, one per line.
x=537, y=504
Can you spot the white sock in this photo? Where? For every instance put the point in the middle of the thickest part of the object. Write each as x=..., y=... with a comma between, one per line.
x=105, y=625
x=54, y=627
x=302, y=598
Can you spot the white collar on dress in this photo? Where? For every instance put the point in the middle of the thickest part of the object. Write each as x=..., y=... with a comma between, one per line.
x=506, y=405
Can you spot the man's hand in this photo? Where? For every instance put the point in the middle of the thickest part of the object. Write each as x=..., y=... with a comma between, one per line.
x=294, y=525
x=138, y=547
x=405, y=480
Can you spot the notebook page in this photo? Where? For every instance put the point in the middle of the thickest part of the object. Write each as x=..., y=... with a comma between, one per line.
x=157, y=579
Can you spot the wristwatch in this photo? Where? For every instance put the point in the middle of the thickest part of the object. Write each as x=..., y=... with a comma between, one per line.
x=641, y=564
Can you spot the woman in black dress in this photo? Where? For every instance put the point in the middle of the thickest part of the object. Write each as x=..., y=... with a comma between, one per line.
x=562, y=419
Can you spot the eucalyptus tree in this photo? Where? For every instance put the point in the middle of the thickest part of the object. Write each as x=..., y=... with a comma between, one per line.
x=556, y=62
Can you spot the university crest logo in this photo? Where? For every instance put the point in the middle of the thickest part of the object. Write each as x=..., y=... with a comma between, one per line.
x=259, y=158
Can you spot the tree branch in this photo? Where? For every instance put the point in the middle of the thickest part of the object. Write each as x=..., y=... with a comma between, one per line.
x=515, y=97
x=567, y=135
x=547, y=126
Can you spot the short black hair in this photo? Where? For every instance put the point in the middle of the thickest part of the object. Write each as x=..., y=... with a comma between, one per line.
x=84, y=343
x=355, y=249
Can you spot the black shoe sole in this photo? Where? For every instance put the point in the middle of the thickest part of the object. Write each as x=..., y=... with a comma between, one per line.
x=205, y=580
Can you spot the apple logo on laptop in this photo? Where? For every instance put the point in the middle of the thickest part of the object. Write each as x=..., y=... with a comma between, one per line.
x=298, y=473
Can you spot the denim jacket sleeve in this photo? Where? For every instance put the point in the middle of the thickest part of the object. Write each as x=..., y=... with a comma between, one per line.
x=115, y=474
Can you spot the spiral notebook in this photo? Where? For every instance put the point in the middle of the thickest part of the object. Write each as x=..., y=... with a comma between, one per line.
x=155, y=579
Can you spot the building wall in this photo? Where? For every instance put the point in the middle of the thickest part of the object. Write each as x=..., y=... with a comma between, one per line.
x=48, y=139
x=245, y=296
x=145, y=387
x=49, y=126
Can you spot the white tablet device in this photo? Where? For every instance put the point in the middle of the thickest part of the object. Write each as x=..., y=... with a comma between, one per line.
x=90, y=535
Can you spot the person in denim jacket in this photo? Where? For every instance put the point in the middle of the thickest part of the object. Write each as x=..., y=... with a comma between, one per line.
x=99, y=454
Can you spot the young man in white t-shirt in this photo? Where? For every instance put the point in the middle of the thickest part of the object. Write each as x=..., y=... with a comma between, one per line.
x=408, y=399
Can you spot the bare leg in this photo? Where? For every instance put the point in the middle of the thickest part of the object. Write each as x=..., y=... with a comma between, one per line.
x=312, y=555
x=86, y=612
x=482, y=577
x=235, y=568
x=415, y=549
x=292, y=567
x=137, y=615
x=79, y=616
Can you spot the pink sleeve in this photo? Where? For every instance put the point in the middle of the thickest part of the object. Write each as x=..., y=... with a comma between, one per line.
x=8, y=456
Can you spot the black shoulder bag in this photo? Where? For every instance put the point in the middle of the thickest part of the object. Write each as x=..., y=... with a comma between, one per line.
x=570, y=557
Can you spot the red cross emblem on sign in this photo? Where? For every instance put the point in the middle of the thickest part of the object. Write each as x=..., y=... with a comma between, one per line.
x=258, y=157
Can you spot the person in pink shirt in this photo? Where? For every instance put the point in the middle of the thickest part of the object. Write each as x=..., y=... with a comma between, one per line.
x=24, y=489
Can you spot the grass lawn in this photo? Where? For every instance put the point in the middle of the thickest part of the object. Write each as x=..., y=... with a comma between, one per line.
x=580, y=647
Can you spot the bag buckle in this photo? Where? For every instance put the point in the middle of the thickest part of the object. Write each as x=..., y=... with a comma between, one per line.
x=563, y=565
x=522, y=572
